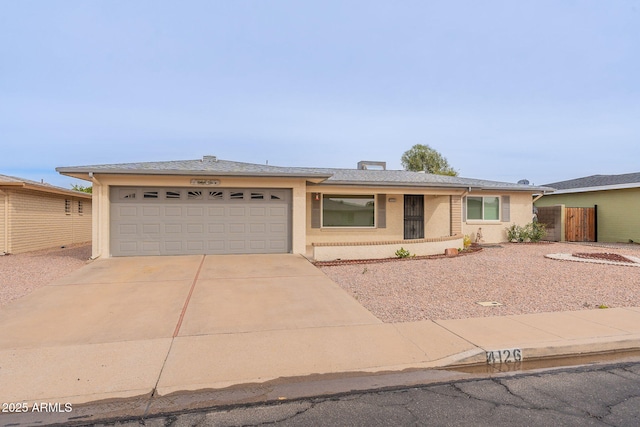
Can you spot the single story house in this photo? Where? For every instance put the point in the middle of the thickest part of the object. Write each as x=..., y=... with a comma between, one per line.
x=37, y=216
x=617, y=198
x=214, y=206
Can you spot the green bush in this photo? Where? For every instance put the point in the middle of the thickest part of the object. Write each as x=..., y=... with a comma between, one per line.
x=403, y=253
x=515, y=233
x=532, y=232
x=536, y=231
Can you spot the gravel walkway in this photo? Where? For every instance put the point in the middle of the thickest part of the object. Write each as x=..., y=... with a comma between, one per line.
x=22, y=274
x=515, y=275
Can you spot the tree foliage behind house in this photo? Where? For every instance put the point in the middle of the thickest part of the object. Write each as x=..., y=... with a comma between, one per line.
x=424, y=158
x=82, y=188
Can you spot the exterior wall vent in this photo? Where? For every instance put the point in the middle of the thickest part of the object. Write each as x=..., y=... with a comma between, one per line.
x=368, y=165
x=209, y=159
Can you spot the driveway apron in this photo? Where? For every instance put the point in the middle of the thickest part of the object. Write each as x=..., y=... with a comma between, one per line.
x=106, y=330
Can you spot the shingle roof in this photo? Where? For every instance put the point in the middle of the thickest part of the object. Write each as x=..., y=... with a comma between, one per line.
x=210, y=165
x=597, y=181
x=13, y=181
x=401, y=177
x=206, y=165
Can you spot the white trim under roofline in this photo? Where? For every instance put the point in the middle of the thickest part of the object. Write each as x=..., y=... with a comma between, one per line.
x=76, y=172
x=444, y=186
x=599, y=188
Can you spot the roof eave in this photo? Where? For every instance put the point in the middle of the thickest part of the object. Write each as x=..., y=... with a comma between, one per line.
x=82, y=173
x=598, y=188
x=45, y=189
x=438, y=185
x=12, y=184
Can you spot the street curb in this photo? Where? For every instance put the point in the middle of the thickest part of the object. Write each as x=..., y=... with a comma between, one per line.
x=451, y=368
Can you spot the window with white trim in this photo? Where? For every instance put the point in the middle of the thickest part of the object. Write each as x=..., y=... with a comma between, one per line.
x=348, y=210
x=485, y=208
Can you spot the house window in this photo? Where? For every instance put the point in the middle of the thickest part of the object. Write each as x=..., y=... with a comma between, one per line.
x=483, y=208
x=348, y=210
x=80, y=207
x=67, y=206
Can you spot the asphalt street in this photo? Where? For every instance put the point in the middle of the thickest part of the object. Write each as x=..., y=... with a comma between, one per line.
x=593, y=395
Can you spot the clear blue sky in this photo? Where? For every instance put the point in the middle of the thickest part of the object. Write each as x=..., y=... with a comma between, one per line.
x=505, y=90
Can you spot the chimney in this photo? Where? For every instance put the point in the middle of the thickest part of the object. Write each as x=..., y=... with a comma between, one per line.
x=209, y=159
x=369, y=165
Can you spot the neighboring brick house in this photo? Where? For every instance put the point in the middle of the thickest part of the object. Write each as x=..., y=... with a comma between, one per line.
x=38, y=216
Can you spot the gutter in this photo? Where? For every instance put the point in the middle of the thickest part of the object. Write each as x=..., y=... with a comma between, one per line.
x=73, y=172
x=599, y=188
x=459, y=187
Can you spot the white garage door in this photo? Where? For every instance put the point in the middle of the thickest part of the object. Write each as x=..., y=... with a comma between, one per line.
x=178, y=221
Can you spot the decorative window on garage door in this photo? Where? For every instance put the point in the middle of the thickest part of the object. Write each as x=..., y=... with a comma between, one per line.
x=197, y=195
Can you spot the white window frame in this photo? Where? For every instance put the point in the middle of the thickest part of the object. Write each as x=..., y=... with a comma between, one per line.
x=488, y=196
x=343, y=227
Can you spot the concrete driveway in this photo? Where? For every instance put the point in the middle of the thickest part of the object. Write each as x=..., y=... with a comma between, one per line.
x=126, y=327
x=142, y=298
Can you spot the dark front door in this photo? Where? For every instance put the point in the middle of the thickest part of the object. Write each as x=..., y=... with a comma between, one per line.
x=413, y=216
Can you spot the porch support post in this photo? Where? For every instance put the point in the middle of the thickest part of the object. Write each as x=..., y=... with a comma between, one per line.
x=455, y=210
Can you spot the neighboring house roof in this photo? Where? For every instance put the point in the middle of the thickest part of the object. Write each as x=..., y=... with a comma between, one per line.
x=597, y=183
x=12, y=182
x=212, y=166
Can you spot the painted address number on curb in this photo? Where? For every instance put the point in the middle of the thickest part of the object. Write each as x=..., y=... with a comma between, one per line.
x=504, y=356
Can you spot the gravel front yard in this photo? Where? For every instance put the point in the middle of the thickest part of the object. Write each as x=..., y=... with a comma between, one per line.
x=22, y=274
x=515, y=275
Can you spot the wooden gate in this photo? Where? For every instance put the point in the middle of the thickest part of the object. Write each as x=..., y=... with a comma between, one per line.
x=581, y=224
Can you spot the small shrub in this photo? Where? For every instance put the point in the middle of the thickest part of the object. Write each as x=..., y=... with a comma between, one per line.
x=532, y=232
x=535, y=231
x=403, y=253
x=466, y=241
x=515, y=233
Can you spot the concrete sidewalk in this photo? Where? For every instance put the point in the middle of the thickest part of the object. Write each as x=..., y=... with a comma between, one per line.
x=105, y=334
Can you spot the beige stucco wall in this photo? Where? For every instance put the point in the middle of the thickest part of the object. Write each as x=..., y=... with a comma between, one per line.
x=521, y=206
x=4, y=223
x=418, y=247
x=437, y=215
x=37, y=220
x=102, y=184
